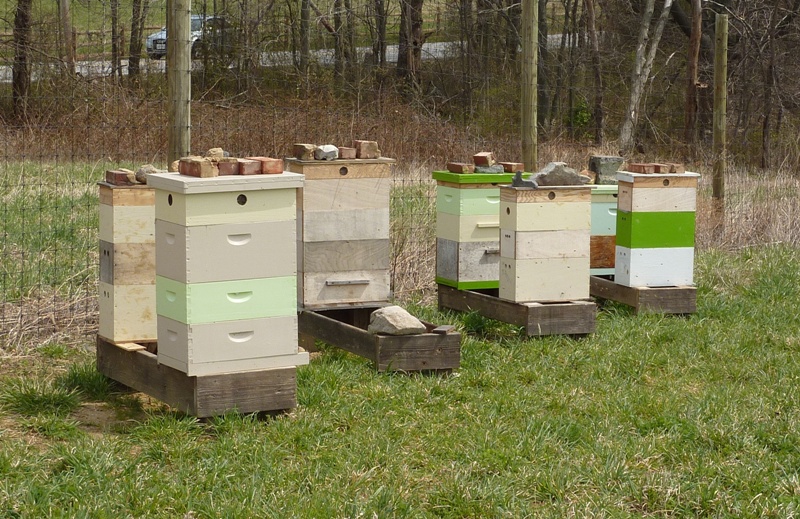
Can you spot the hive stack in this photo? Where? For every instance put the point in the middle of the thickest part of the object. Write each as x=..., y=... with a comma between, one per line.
x=604, y=229
x=655, y=229
x=127, y=291
x=226, y=272
x=544, y=243
x=468, y=229
x=343, y=223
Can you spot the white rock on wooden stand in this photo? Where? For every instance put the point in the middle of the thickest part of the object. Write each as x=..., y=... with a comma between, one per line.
x=394, y=320
x=326, y=152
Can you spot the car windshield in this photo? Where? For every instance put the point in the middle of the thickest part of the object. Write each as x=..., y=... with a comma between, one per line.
x=197, y=24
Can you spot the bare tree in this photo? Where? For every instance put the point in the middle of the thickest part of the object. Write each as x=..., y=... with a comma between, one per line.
x=409, y=52
x=690, y=118
x=21, y=72
x=597, y=110
x=138, y=16
x=646, y=48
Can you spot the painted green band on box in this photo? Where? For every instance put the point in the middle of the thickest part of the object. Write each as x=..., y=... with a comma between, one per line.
x=212, y=302
x=467, y=201
x=655, y=230
x=475, y=178
x=468, y=285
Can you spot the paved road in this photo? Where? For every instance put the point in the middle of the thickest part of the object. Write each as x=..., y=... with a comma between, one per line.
x=98, y=68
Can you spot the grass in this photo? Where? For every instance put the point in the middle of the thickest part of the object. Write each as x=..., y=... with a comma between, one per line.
x=650, y=416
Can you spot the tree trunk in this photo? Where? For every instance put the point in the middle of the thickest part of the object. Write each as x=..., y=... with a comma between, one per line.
x=597, y=109
x=692, y=74
x=769, y=88
x=338, y=47
x=115, y=57
x=66, y=29
x=305, y=36
x=138, y=16
x=21, y=72
x=645, y=55
x=409, y=52
x=543, y=65
x=467, y=55
x=379, y=46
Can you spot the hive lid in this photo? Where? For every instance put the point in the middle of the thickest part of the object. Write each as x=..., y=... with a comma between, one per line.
x=475, y=178
x=187, y=185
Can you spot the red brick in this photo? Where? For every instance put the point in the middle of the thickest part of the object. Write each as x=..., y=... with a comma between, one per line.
x=249, y=167
x=366, y=149
x=120, y=177
x=228, y=166
x=347, y=153
x=512, y=167
x=677, y=168
x=460, y=167
x=484, y=158
x=198, y=167
x=640, y=167
x=269, y=165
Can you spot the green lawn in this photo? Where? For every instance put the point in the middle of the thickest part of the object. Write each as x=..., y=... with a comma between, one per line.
x=651, y=416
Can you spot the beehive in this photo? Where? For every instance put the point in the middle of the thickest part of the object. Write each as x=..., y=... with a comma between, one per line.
x=468, y=229
x=343, y=226
x=544, y=243
x=226, y=272
x=604, y=229
x=127, y=291
x=655, y=229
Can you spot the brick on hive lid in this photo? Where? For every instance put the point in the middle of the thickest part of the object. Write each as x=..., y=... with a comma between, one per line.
x=347, y=153
x=249, y=167
x=641, y=167
x=484, y=158
x=201, y=167
x=121, y=177
x=512, y=167
x=302, y=151
x=366, y=149
x=228, y=166
x=269, y=165
x=460, y=167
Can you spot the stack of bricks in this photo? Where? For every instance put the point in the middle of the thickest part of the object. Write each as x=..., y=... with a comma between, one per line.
x=655, y=226
x=127, y=291
x=544, y=243
x=226, y=272
x=216, y=166
x=467, y=223
x=344, y=228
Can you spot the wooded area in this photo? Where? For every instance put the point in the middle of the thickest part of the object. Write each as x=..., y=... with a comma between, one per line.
x=638, y=73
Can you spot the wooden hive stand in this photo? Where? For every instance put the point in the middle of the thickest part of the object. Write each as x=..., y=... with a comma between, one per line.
x=344, y=266
x=655, y=232
x=544, y=264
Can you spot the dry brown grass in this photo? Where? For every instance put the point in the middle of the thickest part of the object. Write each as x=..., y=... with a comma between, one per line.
x=759, y=208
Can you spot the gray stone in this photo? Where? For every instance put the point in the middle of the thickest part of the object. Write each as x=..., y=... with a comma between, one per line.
x=518, y=181
x=559, y=174
x=143, y=171
x=495, y=168
x=394, y=320
x=605, y=166
x=326, y=152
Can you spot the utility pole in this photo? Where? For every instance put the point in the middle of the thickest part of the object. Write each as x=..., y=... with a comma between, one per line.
x=529, y=94
x=179, y=79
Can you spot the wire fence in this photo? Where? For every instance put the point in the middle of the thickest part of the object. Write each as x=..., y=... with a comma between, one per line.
x=92, y=97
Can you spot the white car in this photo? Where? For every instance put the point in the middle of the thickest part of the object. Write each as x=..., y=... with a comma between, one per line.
x=156, y=44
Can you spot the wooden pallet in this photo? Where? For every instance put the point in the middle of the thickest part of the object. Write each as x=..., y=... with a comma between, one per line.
x=665, y=300
x=437, y=350
x=538, y=319
x=203, y=396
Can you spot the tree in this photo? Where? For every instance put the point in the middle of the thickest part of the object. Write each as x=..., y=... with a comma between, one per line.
x=690, y=118
x=138, y=16
x=597, y=110
x=409, y=52
x=646, y=48
x=21, y=73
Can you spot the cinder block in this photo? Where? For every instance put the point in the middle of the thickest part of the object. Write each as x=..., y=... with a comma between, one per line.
x=484, y=158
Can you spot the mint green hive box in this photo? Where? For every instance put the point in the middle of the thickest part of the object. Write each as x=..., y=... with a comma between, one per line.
x=604, y=229
x=222, y=308
x=468, y=228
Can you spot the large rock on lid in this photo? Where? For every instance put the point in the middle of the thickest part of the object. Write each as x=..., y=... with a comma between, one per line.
x=143, y=171
x=559, y=174
x=394, y=320
x=605, y=166
x=326, y=152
